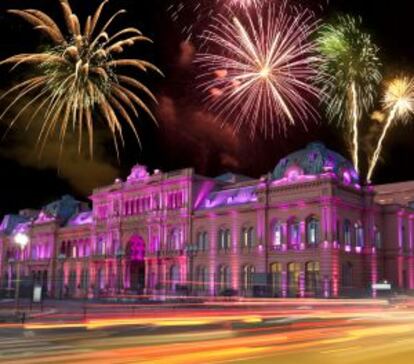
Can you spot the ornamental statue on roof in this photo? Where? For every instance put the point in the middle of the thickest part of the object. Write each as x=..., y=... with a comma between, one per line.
x=138, y=172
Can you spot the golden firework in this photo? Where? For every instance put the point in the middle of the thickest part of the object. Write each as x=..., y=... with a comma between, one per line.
x=80, y=75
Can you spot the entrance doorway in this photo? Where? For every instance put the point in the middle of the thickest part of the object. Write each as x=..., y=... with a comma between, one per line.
x=135, y=254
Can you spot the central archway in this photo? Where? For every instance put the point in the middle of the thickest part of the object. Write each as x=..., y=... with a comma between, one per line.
x=135, y=254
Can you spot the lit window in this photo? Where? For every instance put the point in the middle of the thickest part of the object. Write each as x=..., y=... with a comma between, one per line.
x=277, y=235
x=247, y=237
x=359, y=235
x=347, y=233
x=294, y=233
x=313, y=231
x=377, y=238
x=224, y=238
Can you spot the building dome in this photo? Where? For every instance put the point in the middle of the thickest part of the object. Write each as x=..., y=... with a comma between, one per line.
x=315, y=159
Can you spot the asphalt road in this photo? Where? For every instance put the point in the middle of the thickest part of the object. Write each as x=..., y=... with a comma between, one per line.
x=261, y=332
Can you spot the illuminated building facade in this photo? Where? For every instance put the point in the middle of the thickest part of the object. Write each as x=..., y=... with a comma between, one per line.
x=307, y=229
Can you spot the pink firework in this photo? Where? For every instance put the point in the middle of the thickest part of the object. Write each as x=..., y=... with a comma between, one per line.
x=192, y=15
x=242, y=3
x=257, y=68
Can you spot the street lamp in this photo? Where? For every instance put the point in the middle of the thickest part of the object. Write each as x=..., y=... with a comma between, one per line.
x=120, y=255
x=21, y=239
x=191, y=251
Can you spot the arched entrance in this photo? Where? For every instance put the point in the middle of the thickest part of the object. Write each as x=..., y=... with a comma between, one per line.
x=312, y=278
x=293, y=279
x=276, y=275
x=135, y=254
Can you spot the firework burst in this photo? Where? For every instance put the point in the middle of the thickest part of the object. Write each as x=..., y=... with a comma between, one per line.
x=192, y=14
x=398, y=103
x=349, y=73
x=257, y=69
x=80, y=75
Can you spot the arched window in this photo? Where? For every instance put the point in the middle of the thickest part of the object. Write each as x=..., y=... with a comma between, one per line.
x=84, y=279
x=174, y=276
x=80, y=249
x=224, y=277
x=247, y=277
x=347, y=233
x=175, y=240
x=338, y=231
x=247, y=237
x=377, y=238
x=87, y=248
x=34, y=253
x=312, y=231
x=294, y=233
x=100, y=279
x=224, y=239
x=312, y=277
x=69, y=249
x=202, y=241
x=277, y=235
x=63, y=248
x=202, y=278
x=205, y=241
x=100, y=246
x=359, y=235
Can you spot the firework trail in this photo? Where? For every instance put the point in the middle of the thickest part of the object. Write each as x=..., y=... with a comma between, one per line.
x=398, y=102
x=349, y=74
x=79, y=75
x=257, y=69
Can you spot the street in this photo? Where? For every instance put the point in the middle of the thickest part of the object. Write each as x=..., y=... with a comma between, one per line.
x=282, y=331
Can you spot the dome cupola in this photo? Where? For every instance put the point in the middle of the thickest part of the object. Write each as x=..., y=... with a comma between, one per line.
x=314, y=160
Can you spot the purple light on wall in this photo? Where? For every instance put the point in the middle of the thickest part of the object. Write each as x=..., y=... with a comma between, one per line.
x=348, y=248
x=203, y=193
x=83, y=218
x=358, y=249
x=43, y=218
x=400, y=232
x=298, y=178
x=231, y=197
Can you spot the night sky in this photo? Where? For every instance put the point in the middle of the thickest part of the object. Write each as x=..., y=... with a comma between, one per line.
x=187, y=135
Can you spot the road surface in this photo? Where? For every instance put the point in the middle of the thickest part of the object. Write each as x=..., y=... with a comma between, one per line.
x=263, y=332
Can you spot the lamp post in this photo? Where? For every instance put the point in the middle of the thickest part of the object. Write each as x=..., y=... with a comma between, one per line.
x=120, y=255
x=61, y=276
x=191, y=251
x=21, y=239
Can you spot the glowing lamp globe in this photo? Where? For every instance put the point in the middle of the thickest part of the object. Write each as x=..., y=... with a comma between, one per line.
x=21, y=239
